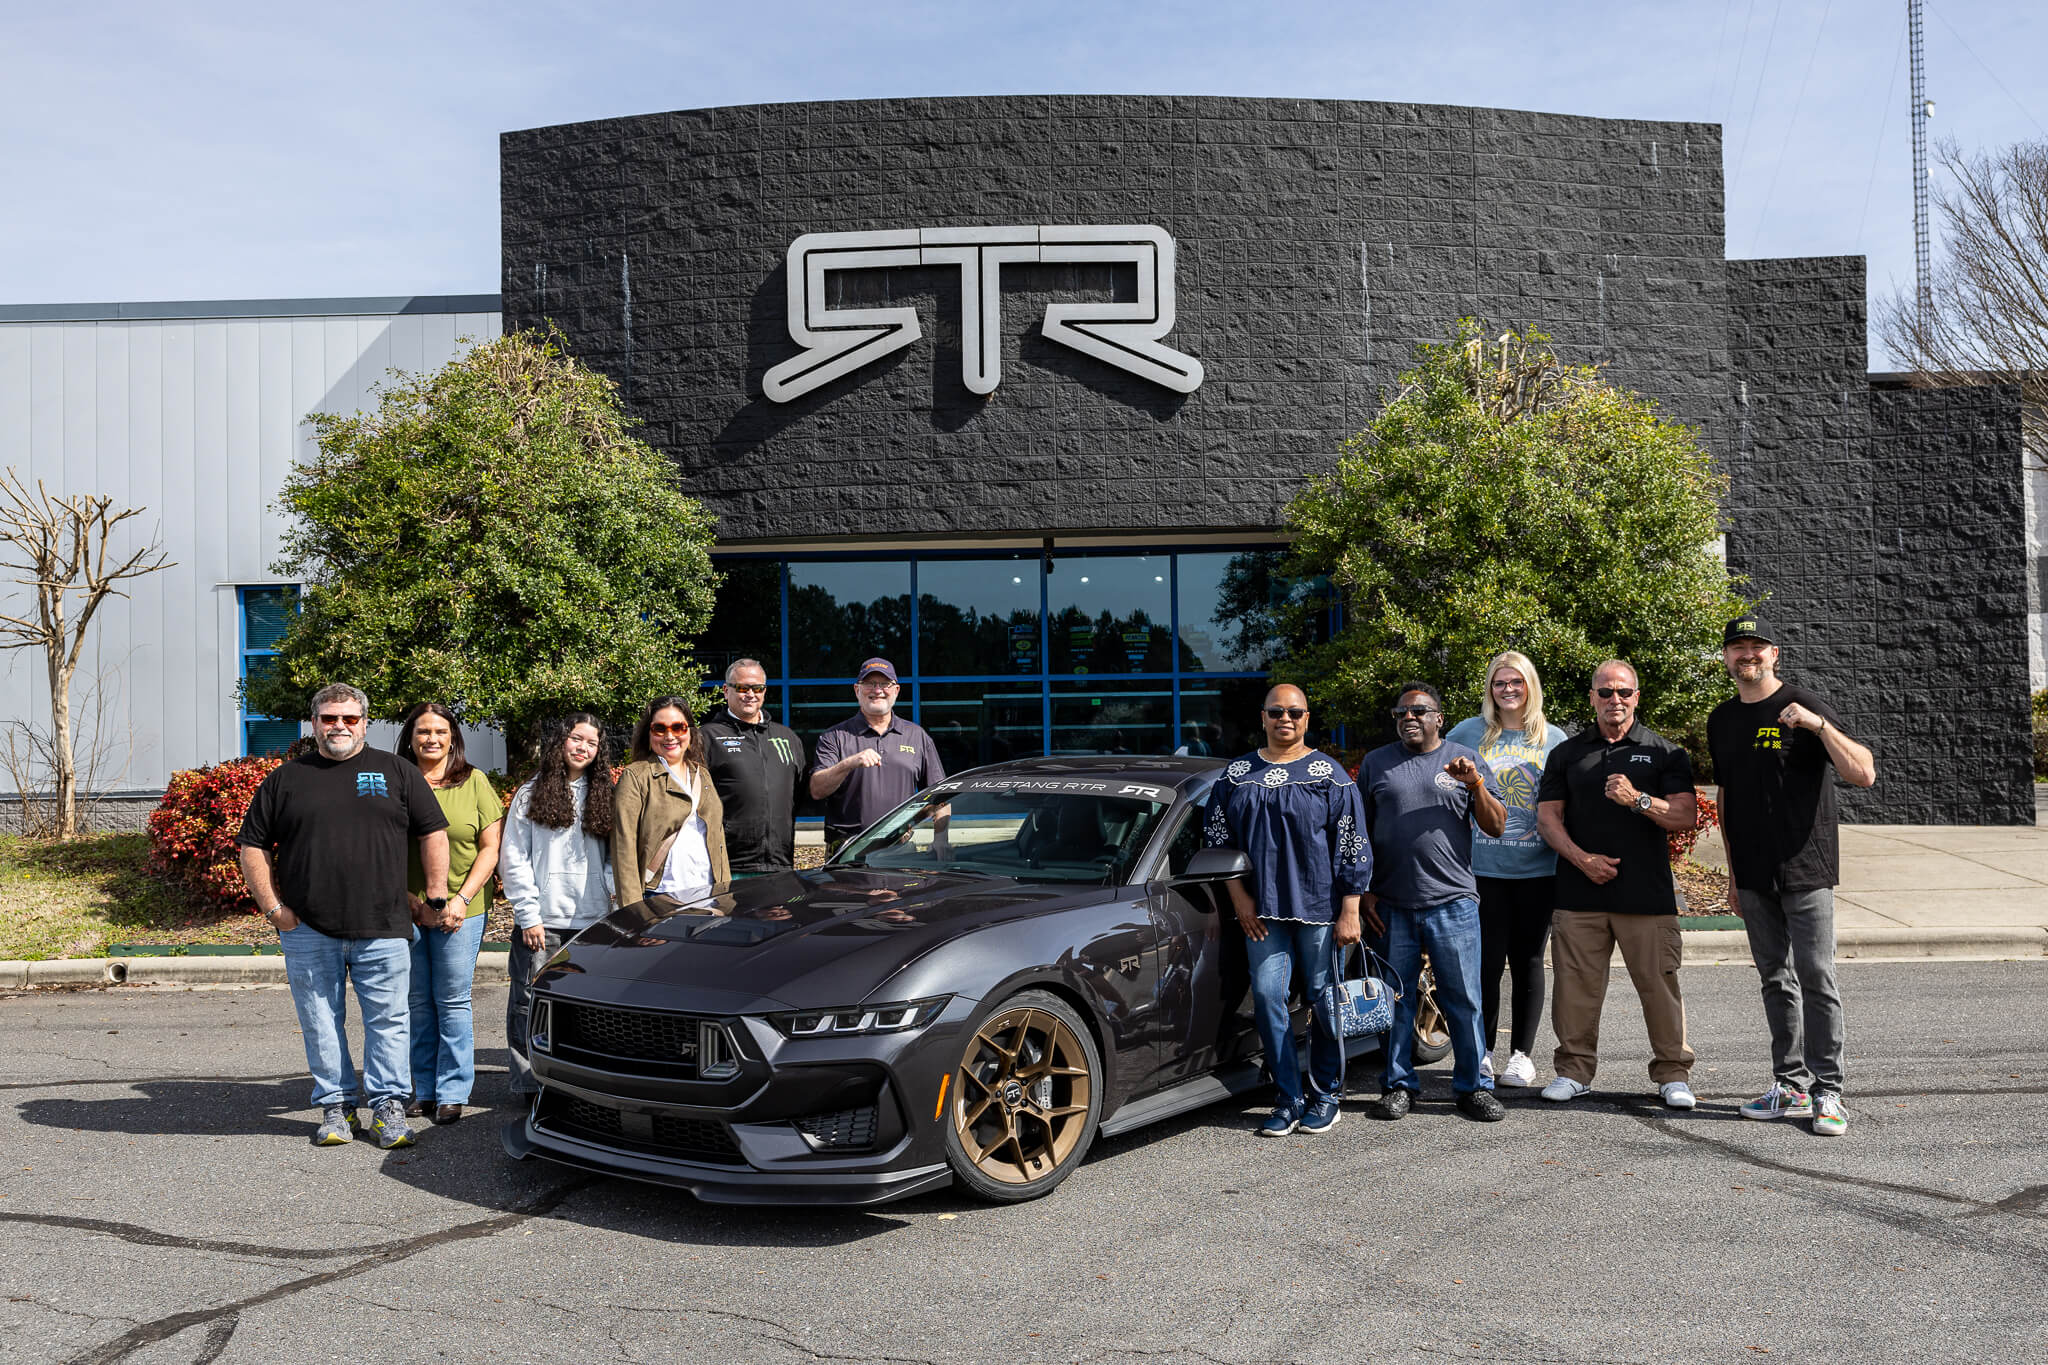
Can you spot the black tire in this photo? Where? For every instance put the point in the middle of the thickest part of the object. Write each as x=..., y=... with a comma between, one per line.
x=1027, y=1093
x=1432, y=1031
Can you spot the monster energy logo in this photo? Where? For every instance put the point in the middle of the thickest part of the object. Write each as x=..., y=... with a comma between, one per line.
x=782, y=748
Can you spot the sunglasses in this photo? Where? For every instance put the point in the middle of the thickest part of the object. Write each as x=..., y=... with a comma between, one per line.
x=1288, y=712
x=329, y=719
x=1400, y=711
x=747, y=689
x=661, y=730
x=1605, y=692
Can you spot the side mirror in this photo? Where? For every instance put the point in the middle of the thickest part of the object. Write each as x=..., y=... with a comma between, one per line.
x=1216, y=865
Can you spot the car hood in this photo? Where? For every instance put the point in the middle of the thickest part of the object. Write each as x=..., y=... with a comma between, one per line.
x=793, y=940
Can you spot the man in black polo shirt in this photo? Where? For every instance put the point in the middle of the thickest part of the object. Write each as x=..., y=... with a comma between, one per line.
x=871, y=763
x=757, y=767
x=1777, y=749
x=1610, y=795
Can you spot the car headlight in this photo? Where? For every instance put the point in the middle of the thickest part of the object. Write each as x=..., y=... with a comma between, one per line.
x=896, y=1017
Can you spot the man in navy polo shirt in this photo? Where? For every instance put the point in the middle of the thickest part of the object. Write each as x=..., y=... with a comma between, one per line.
x=871, y=763
x=1610, y=794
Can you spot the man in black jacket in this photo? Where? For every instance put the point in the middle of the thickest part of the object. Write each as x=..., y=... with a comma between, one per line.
x=756, y=767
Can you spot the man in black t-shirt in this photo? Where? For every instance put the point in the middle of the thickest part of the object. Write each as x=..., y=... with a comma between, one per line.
x=323, y=852
x=1777, y=749
x=757, y=768
x=1610, y=794
x=874, y=760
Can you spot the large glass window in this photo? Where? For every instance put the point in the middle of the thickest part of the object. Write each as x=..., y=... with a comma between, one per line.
x=747, y=622
x=974, y=723
x=1111, y=614
x=844, y=611
x=1240, y=614
x=1219, y=717
x=978, y=616
x=1112, y=717
x=265, y=614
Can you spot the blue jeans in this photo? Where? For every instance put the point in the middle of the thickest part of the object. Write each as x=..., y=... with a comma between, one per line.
x=1450, y=933
x=525, y=965
x=319, y=969
x=443, y=1031
x=1290, y=943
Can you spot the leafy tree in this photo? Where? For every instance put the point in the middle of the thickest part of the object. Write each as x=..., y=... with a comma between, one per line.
x=494, y=538
x=1504, y=499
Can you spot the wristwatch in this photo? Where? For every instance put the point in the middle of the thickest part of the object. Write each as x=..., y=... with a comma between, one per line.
x=1642, y=802
x=436, y=902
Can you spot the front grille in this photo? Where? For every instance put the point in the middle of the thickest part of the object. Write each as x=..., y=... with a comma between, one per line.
x=847, y=1128
x=639, y=1035
x=664, y=1134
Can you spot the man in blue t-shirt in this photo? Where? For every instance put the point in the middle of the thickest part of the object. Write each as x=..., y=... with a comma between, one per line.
x=1422, y=796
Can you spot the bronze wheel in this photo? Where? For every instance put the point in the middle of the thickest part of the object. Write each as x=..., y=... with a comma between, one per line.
x=1432, y=1031
x=1025, y=1099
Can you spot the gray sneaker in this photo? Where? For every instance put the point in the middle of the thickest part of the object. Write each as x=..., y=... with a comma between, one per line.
x=387, y=1117
x=338, y=1125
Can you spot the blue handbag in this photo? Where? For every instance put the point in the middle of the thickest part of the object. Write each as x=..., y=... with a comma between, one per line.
x=1365, y=1004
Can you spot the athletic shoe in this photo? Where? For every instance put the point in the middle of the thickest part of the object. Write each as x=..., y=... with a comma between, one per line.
x=338, y=1125
x=1829, y=1118
x=1781, y=1101
x=1564, y=1088
x=1321, y=1116
x=1284, y=1121
x=1486, y=1065
x=1677, y=1095
x=387, y=1117
x=1395, y=1104
x=1519, y=1071
x=1482, y=1105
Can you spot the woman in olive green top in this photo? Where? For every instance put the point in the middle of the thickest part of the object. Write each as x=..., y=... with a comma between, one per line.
x=448, y=922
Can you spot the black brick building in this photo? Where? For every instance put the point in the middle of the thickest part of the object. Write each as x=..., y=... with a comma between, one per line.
x=1047, y=557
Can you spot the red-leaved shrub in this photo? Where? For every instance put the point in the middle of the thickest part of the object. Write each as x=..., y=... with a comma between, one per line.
x=1682, y=840
x=192, y=830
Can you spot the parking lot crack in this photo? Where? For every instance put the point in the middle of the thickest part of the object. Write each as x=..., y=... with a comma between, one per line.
x=783, y=1333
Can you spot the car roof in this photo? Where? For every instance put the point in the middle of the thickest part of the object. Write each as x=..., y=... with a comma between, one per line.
x=1163, y=770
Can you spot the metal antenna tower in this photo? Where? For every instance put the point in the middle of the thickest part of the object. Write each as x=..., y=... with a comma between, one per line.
x=1922, y=110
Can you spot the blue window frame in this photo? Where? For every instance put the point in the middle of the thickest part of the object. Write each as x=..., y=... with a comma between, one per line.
x=1006, y=653
x=264, y=614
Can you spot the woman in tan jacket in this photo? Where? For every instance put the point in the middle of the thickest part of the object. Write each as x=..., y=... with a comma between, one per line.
x=668, y=830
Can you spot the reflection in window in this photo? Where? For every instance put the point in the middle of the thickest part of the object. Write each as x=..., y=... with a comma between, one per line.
x=1112, y=718
x=843, y=612
x=746, y=623
x=978, y=616
x=977, y=723
x=1112, y=614
x=1219, y=717
x=266, y=612
x=1240, y=614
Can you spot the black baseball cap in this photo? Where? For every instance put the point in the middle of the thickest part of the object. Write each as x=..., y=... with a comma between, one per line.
x=1749, y=628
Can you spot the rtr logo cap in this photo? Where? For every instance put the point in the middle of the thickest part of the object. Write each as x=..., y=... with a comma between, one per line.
x=873, y=666
x=1749, y=628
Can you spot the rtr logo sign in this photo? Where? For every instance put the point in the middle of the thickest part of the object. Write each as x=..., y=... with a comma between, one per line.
x=838, y=341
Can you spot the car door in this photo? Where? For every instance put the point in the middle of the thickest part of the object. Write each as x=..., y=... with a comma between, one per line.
x=1204, y=1015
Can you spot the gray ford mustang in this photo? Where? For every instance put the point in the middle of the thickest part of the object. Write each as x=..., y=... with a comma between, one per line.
x=1021, y=958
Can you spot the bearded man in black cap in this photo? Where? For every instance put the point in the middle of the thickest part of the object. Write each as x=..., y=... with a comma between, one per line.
x=1777, y=749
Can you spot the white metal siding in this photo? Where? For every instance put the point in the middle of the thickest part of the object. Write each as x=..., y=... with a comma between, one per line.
x=197, y=420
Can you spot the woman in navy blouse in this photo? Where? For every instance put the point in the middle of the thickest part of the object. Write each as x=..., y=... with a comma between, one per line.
x=1295, y=814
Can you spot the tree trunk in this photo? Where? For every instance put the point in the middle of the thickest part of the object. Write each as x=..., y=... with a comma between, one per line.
x=61, y=757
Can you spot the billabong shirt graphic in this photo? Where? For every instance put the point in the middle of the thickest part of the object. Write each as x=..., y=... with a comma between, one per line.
x=371, y=784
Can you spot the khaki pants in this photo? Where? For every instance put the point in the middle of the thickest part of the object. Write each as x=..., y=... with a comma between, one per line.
x=1581, y=948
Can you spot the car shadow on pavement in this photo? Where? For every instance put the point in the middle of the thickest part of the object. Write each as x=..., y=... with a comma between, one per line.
x=222, y=1107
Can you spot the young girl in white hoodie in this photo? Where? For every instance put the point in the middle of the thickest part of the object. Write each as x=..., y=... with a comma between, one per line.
x=555, y=863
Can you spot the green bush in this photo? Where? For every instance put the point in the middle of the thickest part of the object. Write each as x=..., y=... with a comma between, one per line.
x=2041, y=735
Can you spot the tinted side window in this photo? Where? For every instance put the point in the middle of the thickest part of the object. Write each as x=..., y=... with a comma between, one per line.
x=1187, y=842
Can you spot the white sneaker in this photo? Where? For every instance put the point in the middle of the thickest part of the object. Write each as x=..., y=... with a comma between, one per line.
x=1519, y=1071
x=1564, y=1088
x=1486, y=1065
x=1677, y=1095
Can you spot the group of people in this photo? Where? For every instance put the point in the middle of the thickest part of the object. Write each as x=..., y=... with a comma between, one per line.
x=377, y=867
x=1484, y=844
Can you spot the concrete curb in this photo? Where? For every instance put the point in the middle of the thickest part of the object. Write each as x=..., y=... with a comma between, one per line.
x=1703, y=948
x=180, y=971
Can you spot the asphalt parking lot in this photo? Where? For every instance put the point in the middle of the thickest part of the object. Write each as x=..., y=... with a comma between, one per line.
x=161, y=1203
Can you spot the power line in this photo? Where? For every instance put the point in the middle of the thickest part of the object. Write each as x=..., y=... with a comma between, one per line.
x=1883, y=126
x=1749, y=122
x=1790, y=123
x=2024, y=111
x=1741, y=55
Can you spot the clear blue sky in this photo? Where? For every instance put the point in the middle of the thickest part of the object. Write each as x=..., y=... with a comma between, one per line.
x=260, y=150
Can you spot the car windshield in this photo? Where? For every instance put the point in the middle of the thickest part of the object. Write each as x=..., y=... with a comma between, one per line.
x=1032, y=829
